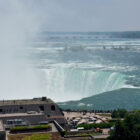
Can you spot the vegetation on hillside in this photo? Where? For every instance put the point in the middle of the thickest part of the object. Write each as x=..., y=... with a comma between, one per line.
x=123, y=98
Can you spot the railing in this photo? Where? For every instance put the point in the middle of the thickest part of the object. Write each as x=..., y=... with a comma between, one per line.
x=60, y=129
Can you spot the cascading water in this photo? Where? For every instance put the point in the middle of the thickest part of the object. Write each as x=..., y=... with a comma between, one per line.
x=77, y=65
x=75, y=83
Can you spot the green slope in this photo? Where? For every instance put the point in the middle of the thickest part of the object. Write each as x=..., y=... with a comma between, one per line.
x=127, y=98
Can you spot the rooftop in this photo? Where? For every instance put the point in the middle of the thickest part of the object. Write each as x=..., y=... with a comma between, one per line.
x=19, y=114
x=42, y=100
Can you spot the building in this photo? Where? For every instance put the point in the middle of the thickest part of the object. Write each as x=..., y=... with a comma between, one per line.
x=2, y=131
x=31, y=111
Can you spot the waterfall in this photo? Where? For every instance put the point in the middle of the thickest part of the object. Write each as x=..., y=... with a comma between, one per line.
x=72, y=83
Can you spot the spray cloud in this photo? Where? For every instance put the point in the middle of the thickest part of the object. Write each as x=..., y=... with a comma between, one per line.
x=19, y=22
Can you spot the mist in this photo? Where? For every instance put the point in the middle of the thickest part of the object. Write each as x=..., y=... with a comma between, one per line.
x=19, y=23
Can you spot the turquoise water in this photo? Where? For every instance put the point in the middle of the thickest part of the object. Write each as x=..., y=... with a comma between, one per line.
x=76, y=64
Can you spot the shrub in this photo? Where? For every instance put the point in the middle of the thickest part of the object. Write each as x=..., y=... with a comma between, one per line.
x=41, y=126
x=20, y=127
x=29, y=127
x=100, y=125
x=63, y=133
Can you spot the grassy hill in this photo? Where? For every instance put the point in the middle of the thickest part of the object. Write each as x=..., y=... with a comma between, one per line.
x=127, y=98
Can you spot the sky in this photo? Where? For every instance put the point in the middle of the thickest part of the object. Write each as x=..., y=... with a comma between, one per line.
x=91, y=15
x=80, y=15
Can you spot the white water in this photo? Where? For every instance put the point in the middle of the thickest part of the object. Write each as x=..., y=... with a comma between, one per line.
x=73, y=83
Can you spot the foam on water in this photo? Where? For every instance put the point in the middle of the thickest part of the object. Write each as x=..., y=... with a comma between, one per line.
x=74, y=83
x=78, y=65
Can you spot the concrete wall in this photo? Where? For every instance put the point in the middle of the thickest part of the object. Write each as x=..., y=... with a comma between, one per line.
x=50, y=111
x=48, y=108
x=31, y=119
x=34, y=119
x=2, y=135
x=2, y=131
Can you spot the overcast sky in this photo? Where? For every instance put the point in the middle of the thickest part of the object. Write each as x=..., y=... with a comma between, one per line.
x=83, y=15
x=92, y=15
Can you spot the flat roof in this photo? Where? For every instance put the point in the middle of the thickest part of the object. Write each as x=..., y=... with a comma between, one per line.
x=25, y=101
x=19, y=114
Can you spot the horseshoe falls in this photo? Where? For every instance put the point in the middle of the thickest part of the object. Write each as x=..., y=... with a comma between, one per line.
x=74, y=65
x=73, y=83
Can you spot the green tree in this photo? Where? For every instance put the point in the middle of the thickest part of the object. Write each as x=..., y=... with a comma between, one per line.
x=114, y=114
x=119, y=131
x=120, y=113
x=84, y=109
x=128, y=129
